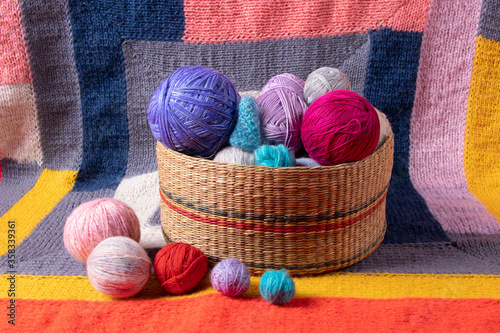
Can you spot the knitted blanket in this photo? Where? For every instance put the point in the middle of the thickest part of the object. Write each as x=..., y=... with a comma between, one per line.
x=75, y=82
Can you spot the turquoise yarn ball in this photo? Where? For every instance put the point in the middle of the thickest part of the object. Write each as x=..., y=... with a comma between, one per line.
x=277, y=287
x=274, y=156
x=246, y=134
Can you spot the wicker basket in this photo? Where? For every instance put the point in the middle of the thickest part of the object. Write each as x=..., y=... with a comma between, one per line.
x=309, y=220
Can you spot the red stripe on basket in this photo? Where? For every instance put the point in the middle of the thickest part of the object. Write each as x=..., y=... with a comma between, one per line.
x=257, y=227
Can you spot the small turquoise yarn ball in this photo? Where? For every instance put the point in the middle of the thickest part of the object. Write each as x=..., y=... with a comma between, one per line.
x=274, y=156
x=277, y=287
x=246, y=134
x=194, y=111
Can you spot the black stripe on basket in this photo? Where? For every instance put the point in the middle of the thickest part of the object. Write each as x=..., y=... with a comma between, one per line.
x=332, y=265
x=270, y=218
x=274, y=226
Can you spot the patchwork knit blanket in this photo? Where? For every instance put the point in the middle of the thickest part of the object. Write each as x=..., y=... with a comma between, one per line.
x=75, y=82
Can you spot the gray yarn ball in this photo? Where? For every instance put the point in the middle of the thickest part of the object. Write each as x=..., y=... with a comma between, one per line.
x=323, y=80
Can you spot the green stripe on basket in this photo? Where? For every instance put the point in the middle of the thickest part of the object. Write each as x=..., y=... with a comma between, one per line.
x=270, y=218
x=275, y=228
x=328, y=266
x=317, y=268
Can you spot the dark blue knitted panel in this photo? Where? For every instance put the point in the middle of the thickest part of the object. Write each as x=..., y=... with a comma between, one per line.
x=390, y=87
x=489, y=24
x=99, y=27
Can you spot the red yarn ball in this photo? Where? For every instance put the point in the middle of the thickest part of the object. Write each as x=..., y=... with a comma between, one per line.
x=340, y=127
x=179, y=267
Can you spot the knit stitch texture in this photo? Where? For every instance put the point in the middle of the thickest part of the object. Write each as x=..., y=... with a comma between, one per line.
x=76, y=78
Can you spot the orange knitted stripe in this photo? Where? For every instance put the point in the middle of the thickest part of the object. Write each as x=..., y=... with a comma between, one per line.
x=217, y=313
x=242, y=20
x=14, y=63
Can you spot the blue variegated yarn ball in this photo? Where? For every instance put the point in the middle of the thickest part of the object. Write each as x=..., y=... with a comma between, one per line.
x=274, y=156
x=194, y=111
x=277, y=287
x=246, y=134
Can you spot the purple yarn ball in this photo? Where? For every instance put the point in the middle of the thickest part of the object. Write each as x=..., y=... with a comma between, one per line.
x=230, y=277
x=282, y=107
x=194, y=111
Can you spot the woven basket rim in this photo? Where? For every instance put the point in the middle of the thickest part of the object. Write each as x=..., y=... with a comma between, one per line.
x=388, y=141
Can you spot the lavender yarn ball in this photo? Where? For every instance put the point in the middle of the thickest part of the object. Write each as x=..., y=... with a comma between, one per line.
x=282, y=107
x=323, y=80
x=194, y=111
x=246, y=134
x=235, y=155
x=274, y=156
x=118, y=267
x=230, y=277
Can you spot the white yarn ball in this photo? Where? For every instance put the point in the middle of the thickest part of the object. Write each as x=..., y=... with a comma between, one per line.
x=253, y=93
x=323, y=80
x=306, y=162
x=235, y=155
x=385, y=128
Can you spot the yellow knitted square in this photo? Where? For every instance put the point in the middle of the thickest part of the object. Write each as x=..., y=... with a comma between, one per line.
x=482, y=132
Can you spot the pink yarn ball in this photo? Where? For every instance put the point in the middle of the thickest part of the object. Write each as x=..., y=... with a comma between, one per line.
x=230, y=277
x=118, y=267
x=93, y=221
x=282, y=107
x=340, y=127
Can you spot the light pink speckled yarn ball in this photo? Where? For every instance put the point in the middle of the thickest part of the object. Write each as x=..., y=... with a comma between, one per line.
x=94, y=221
x=119, y=267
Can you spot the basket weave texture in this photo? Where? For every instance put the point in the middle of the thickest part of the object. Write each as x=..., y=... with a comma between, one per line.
x=309, y=220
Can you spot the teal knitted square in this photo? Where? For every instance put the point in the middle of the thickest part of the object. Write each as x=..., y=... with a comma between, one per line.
x=246, y=134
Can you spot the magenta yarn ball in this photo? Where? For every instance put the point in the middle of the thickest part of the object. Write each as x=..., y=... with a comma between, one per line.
x=340, y=127
x=230, y=277
x=94, y=221
x=282, y=106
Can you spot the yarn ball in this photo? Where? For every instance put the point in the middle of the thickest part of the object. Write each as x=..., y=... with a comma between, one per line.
x=246, y=134
x=118, y=267
x=235, y=155
x=277, y=287
x=179, y=267
x=385, y=128
x=93, y=221
x=253, y=93
x=323, y=80
x=306, y=162
x=339, y=127
x=282, y=106
x=230, y=277
x=194, y=111
x=274, y=156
